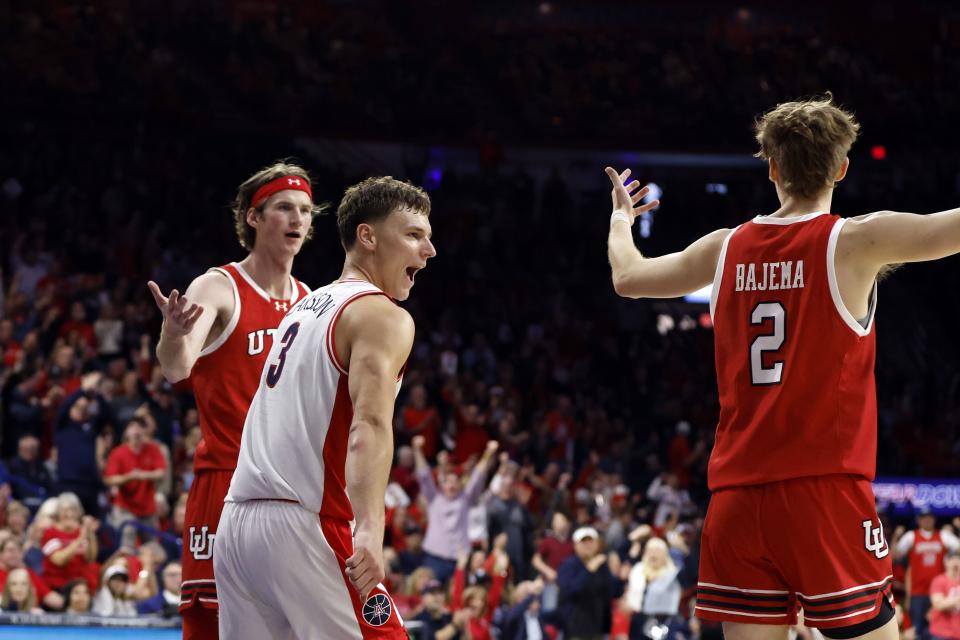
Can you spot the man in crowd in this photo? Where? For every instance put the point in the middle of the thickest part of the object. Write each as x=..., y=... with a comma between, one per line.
x=133, y=470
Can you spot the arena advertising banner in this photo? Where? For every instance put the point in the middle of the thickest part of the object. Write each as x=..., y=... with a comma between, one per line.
x=906, y=496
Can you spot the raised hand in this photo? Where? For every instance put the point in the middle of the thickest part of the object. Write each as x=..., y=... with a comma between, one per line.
x=625, y=196
x=178, y=319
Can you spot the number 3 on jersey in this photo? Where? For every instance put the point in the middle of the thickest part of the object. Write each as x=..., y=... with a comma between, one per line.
x=276, y=369
x=760, y=375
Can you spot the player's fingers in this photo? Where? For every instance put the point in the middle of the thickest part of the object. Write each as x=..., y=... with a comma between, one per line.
x=633, y=185
x=623, y=176
x=653, y=204
x=158, y=296
x=640, y=195
x=194, y=315
x=172, y=299
x=613, y=175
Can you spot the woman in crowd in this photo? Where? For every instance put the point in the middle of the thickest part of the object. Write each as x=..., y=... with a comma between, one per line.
x=19, y=594
x=77, y=593
x=653, y=592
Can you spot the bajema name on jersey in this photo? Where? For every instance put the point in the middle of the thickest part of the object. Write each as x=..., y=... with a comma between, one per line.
x=769, y=276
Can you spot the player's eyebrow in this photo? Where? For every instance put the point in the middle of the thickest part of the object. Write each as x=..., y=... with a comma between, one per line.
x=420, y=228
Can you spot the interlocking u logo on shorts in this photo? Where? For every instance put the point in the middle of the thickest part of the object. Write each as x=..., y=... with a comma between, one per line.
x=874, y=540
x=201, y=544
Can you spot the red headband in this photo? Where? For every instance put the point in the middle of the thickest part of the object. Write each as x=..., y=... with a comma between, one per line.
x=283, y=183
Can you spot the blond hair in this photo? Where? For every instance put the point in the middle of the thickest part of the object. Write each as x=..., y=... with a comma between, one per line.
x=809, y=140
x=7, y=599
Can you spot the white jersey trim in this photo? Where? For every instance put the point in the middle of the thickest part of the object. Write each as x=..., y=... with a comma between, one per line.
x=742, y=613
x=718, y=274
x=817, y=618
x=845, y=591
x=234, y=319
x=332, y=327
x=728, y=588
x=845, y=314
x=789, y=219
x=294, y=289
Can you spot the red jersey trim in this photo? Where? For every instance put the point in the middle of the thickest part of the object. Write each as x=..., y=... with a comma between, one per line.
x=718, y=273
x=234, y=318
x=842, y=310
x=332, y=328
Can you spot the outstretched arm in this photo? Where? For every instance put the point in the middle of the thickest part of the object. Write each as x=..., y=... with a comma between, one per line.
x=889, y=237
x=374, y=336
x=187, y=321
x=669, y=276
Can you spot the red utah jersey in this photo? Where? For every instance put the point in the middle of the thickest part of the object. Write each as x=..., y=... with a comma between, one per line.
x=926, y=560
x=227, y=373
x=794, y=367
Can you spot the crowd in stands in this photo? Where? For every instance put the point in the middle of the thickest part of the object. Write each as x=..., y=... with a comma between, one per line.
x=551, y=439
x=541, y=72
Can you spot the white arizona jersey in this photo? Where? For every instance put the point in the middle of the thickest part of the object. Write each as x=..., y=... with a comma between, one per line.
x=294, y=444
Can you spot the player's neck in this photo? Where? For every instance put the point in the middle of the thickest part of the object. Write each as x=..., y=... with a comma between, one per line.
x=791, y=206
x=353, y=270
x=270, y=273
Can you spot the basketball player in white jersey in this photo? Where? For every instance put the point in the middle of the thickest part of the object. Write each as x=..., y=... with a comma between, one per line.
x=318, y=441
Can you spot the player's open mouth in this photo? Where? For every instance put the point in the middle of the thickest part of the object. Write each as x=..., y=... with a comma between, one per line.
x=412, y=273
x=293, y=234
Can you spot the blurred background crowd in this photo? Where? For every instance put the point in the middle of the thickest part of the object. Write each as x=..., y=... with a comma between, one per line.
x=551, y=439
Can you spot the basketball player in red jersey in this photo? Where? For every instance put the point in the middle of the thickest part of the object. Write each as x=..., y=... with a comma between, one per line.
x=219, y=334
x=792, y=522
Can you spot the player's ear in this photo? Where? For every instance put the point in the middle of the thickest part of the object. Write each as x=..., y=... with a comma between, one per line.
x=253, y=217
x=366, y=237
x=774, y=170
x=842, y=173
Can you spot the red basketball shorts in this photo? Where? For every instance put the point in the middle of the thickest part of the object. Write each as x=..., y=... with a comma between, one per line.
x=204, y=505
x=814, y=544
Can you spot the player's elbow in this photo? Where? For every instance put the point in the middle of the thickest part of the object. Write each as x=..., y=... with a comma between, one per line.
x=175, y=373
x=368, y=429
x=624, y=286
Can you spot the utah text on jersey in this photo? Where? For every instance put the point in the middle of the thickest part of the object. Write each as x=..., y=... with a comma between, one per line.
x=255, y=340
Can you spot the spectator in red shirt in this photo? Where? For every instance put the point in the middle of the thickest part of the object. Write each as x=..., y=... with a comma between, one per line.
x=419, y=418
x=403, y=472
x=554, y=548
x=945, y=600
x=70, y=545
x=77, y=324
x=11, y=559
x=133, y=470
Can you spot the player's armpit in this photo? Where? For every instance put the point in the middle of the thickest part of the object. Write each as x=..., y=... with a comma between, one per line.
x=889, y=237
x=668, y=276
x=212, y=292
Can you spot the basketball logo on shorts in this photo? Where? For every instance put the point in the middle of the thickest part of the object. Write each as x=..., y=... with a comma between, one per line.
x=874, y=540
x=376, y=610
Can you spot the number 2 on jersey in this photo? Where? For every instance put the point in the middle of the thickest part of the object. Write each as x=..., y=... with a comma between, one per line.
x=760, y=375
x=275, y=370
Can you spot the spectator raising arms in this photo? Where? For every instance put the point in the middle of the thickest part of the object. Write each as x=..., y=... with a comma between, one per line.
x=448, y=508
